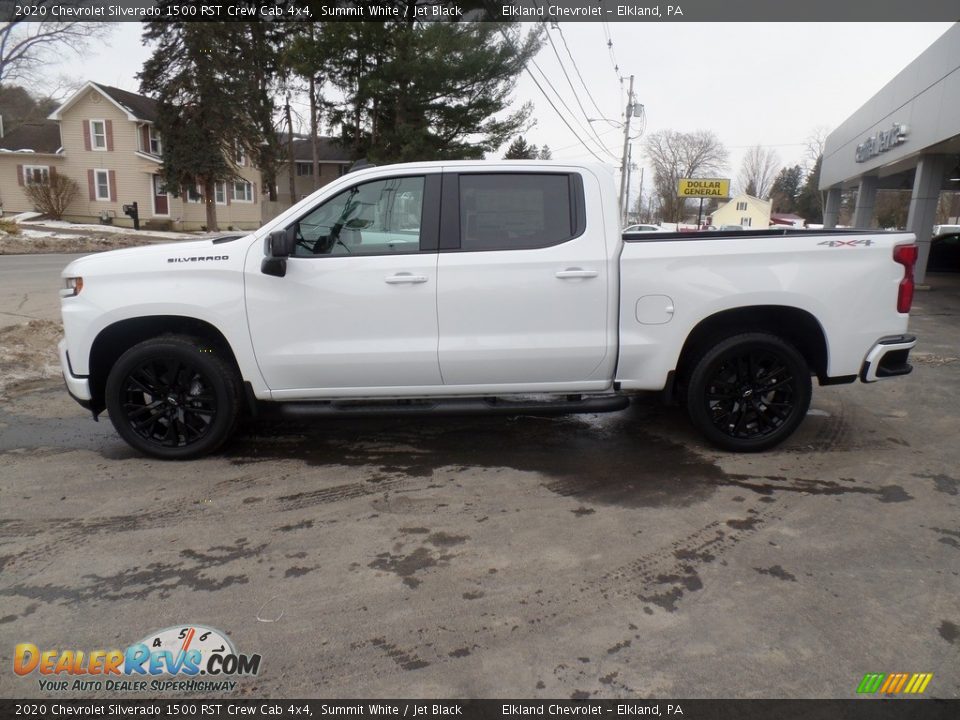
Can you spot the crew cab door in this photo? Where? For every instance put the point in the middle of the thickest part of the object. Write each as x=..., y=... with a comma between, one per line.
x=523, y=281
x=357, y=307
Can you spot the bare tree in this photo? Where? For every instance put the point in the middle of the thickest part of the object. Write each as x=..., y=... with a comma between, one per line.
x=28, y=48
x=815, y=143
x=676, y=155
x=758, y=171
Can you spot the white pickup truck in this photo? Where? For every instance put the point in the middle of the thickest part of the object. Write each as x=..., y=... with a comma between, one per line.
x=479, y=286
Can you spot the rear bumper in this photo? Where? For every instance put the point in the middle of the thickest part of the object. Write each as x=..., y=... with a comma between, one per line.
x=78, y=387
x=888, y=358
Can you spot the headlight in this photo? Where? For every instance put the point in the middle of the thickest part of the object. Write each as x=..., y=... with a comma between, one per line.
x=71, y=287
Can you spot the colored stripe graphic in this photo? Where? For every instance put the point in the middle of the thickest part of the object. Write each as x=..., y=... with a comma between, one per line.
x=894, y=683
x=870, y=683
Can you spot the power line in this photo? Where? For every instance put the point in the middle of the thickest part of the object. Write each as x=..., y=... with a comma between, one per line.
x=556, y=110
x=577, y=69
x=547, y=97
x=575, y=94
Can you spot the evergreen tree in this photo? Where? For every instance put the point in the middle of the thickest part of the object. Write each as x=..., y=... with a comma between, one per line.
x=416, y=90
x=810, y=201
x=786, y=189
x=545, y=153
x=202, y=103
x=520, y=150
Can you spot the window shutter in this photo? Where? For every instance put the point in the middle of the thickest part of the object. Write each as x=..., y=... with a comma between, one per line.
x=112, y=174
x=226, y=191
x=91, y=184
x=109, y=131
x=253, y=192
x=53, y=173
x=86, y=134
x=19, y=174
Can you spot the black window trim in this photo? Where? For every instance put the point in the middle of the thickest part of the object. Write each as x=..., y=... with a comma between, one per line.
x=429, y=217
x=451, y=232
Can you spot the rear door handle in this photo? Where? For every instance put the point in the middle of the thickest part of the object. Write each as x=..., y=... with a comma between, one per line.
x=576, y=273
x=400, y=278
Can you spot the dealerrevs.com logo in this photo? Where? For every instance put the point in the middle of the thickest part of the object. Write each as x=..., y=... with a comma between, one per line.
x=188, y=658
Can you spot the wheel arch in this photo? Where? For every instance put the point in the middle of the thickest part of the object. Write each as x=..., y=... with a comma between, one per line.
x=115, y=339
x=795, y=325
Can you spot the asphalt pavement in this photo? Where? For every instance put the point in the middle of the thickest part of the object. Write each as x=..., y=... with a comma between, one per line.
x=584, y=556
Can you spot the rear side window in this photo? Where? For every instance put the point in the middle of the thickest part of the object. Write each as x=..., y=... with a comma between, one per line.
x=512, y=211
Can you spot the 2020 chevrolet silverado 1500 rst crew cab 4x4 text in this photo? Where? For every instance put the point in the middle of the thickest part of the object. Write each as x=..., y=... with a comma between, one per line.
x=473, y=286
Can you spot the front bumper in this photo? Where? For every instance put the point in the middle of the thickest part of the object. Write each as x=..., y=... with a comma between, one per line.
x=78, y=387
x=888, y=358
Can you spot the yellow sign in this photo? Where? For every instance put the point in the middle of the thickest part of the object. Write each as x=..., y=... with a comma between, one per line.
x=704, y=188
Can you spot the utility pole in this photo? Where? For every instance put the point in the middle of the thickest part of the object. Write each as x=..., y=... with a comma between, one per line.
x=626, y=148
x=626, y=199
x=641, y=195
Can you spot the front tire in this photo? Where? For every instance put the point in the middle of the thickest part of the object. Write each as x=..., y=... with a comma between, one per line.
x=749, y=392
x=173, y=397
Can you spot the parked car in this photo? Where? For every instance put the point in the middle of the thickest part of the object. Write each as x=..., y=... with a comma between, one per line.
x=945, y=229
x=463, y=287
x=643, y=228
x=945, y=251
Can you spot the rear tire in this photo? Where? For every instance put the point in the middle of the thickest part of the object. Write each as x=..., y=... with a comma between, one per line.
x=749, y=392
x=173, y=397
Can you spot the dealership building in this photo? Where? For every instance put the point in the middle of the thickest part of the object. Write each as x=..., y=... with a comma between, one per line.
x=906, y=137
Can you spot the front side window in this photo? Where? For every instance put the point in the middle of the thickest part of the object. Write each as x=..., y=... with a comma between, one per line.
x=376, y=218
x=514, y=211
x=304, y=169
x=220, y=193
x=36, y=174
x=102, y=182
x=98, y=134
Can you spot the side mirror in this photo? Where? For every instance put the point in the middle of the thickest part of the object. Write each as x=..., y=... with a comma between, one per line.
x=281, y=243
x=280, y=246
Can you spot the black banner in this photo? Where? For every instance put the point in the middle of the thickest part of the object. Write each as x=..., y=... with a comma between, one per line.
x=480, y=10
x=862, y=709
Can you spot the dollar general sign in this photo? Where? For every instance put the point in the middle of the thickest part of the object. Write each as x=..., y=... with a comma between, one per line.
x=704, y=188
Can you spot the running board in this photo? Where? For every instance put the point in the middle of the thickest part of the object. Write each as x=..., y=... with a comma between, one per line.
x=455, y=406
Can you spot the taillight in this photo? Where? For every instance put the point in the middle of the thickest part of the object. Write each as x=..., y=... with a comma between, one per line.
x=906, y=255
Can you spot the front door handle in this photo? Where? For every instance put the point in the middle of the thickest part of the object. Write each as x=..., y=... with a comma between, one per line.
x=408, y=278
x=576, y=273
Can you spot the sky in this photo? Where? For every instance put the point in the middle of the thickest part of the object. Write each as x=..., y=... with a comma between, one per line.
x=773, y=84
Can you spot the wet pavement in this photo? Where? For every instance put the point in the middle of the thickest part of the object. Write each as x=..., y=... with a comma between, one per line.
x=582, y=556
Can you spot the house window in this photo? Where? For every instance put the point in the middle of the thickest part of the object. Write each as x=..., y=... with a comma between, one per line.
x=344, y=169
x=220, y=193
x=741, y=206
x=746, y=222
x=156, y=147
x=98, y=134
x=304, y=169
x=101, y=182
x=194, y=195
x=36, y=174
x=242, y=191
x=240, y=157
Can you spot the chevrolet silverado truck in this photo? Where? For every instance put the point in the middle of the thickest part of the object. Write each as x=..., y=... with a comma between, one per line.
x=460, y=287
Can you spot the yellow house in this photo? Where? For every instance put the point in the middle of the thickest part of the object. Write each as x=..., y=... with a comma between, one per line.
x=104, y=139
x=744, y=210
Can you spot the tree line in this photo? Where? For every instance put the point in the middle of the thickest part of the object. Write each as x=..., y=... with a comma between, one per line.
x=674, y=155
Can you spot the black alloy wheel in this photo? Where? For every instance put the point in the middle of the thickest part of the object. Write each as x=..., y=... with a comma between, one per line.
x=749, y=392
x=173, y=397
